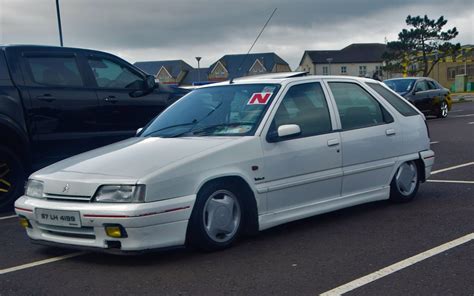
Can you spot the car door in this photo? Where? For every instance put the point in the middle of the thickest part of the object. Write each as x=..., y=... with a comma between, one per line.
x=369, y=137
x=423, y=95
x=124, y=106
x=61, y=108
x=306, y=169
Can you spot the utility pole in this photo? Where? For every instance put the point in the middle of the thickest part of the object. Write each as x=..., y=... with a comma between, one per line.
x=59, y=23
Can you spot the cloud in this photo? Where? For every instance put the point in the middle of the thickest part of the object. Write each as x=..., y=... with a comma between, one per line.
x=159, y=30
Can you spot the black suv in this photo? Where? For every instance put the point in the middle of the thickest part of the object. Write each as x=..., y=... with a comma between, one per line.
x=56, y=102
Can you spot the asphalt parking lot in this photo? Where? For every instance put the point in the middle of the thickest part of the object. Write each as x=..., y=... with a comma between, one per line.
x=421, y=248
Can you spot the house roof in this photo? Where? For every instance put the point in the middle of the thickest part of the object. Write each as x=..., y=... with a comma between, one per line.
x=354, y=53
x=174, y=67
x=193, y=76
x=233, y=61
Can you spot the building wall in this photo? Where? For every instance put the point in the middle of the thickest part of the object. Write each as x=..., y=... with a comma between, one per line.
x=444, y=72
x=307, y=65
x=351, y=69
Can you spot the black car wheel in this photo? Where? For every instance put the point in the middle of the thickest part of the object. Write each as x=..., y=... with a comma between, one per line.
x=443, y=110
x=12, y=177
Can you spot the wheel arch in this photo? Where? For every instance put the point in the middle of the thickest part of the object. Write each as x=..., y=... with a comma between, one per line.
x=14, y=138
x=251, y=226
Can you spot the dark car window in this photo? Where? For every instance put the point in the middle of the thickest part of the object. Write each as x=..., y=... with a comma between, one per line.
x=109, y=74
x=357, y=108
x=421, y=86
x=55, y=71
x=432, y=85
x=306, y=106
x=400, y=85
x=399, y=104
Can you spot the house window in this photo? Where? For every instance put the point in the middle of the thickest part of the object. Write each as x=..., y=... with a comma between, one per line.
x=343, y=70
x=257, y=68
x=451, y=73
x=325, y=70
x=362, y=70
x=219, y=70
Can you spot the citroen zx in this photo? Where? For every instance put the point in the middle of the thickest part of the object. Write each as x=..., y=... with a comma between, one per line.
x=231, y=159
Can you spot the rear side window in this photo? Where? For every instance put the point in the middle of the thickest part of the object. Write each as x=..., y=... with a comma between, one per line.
x=306, y=106
x=421, y=86
x=357, y=108
x=109, y=74
x=400, y=105
x=55, y=71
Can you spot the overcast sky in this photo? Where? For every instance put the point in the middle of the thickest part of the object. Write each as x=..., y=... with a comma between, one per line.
x=140, y=30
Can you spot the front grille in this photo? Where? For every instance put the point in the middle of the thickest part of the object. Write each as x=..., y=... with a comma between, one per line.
x=81, y=232
x=75, y=198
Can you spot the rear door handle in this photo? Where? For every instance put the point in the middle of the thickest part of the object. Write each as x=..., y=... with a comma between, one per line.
x=390, y=132
x=111, y=99
x=333, y=142
x=46, y=97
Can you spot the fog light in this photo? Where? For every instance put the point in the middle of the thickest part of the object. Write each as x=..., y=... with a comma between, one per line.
x=25, y=223
x=116, y=231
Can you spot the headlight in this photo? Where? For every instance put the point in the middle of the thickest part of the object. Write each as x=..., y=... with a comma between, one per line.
x=34, y=188
x=120, y=193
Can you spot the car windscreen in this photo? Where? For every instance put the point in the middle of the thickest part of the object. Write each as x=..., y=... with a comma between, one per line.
x=400, y=85
x=227, y=110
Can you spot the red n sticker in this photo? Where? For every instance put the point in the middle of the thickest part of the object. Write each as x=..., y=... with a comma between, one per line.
x=259, y=98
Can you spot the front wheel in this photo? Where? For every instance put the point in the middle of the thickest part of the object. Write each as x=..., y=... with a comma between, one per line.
x=443, y=110
x=405, y=183
x=217, y=217
x=12, y=177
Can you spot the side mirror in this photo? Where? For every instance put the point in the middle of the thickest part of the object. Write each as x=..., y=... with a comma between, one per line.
x=138, y=131
x=283, y=132
x=150, y=82
x=288, y=130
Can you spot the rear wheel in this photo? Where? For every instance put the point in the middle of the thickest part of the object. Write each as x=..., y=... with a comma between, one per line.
x=443, y=110
x=12, y=177
x=216, y=221
x=405, y=183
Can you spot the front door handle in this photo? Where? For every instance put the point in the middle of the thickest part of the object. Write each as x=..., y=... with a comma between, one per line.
x=46, y=97
x=390, y=132
x=111, y=99
x=333, y=142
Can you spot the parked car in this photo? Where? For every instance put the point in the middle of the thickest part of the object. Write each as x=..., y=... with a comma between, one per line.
x=56, y=102
x=230, y=159
x=426, y=94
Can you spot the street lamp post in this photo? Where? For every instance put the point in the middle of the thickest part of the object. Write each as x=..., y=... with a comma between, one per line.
x=59, y=23
x=329, y=62
x=198, y=59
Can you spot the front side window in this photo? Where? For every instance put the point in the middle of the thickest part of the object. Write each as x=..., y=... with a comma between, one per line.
x=306, y=106
x=109, y=74
x=55, y=71
x=432, y=85
x=357, y=108
x=421, y=86
x=230, y=110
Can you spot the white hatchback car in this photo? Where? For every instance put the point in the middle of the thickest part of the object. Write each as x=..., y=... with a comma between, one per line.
x=233, y=158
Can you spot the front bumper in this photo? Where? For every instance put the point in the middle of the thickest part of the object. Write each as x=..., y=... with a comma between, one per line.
x=152, y=225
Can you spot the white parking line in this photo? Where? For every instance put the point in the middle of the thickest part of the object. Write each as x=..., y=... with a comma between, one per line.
x=434, y=142
x=451, y=181
x=464, y=115
x=398, y=266
x=8, y=217
x=472, y=122
x=37, y=263
x=453, y=168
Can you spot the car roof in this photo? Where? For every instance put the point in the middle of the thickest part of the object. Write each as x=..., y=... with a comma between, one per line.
x=284, y=78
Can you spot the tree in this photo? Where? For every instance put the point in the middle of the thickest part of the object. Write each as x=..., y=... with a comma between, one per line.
x=425, y=44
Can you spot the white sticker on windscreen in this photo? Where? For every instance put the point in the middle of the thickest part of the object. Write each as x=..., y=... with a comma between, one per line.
x=260, y=98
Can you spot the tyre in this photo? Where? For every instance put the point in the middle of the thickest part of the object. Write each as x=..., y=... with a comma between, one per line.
x=405, y=183
x=443, y=110
x=217, y=217
x=12, y=178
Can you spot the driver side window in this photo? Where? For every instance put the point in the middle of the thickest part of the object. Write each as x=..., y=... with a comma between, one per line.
x=109, y=74
x=306, y=106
